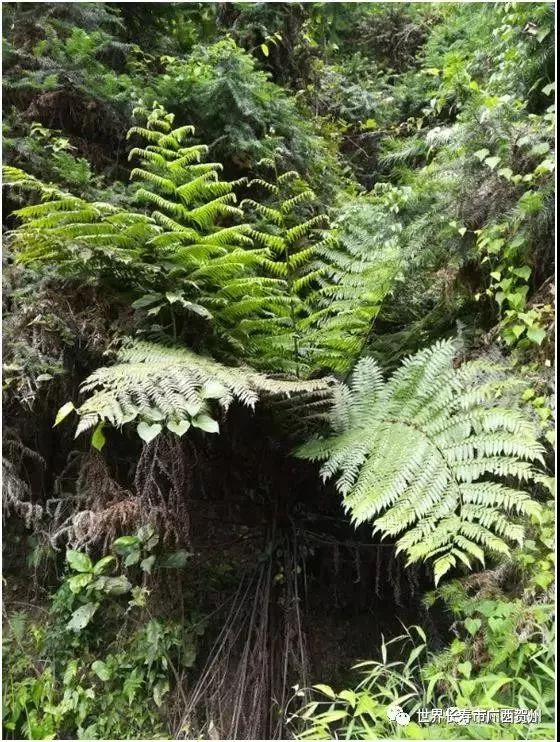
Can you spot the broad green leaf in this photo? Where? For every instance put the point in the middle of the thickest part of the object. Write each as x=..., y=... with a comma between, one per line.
x=349, y=696
x=366, y=705
x=147, y=564
x=492, y=162
x=124, y=544
x=63, y=412
x=98, y=439
x=193, y=408
x=206, y=423
x=77, y=582
x=175, y=560
x=132, y=558
x=79, y=561
x=326, y=690
x=104, y=562
x=536, y=334
x=146, y=532
x=472, y=625
x=116, y=585
x=524, y=272
x=146, y=301
x=173, y=298
x=82, y=616
x=369, y=124
x=213, y=390
x=197, y=309
x=101, y=670
x=540, y=149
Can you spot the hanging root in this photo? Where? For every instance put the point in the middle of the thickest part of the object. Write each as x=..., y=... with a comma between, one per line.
x=100, y=510
x=242, y=691
x=163, y=483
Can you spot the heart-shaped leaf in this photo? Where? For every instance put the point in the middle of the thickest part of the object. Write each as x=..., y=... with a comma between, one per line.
x=179, y=427
x=148, y=432
x=472, y=625
x=492, y=162
x=193, y=407
x=536, y=334
x=496, y=624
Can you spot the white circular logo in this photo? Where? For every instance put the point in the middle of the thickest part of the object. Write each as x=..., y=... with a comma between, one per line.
x=395, y=713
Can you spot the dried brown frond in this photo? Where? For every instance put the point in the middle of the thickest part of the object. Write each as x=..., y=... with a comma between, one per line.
x=16, y=491
x=100, y=509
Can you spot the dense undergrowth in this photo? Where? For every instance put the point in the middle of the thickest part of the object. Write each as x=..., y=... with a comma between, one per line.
x=239, y=239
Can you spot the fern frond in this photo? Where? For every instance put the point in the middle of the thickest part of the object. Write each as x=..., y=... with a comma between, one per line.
x=413, y=456
x=161, y=384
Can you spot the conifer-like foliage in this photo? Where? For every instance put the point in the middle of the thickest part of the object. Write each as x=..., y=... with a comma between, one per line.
x=423, y=457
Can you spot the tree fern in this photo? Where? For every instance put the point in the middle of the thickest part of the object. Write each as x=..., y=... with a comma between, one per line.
x=184, y=247
x=283, y=293
x=427, y=457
